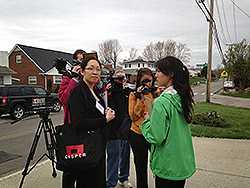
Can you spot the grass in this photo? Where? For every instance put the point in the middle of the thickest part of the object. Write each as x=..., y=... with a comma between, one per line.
x=195, y=80
x=238, y=118
x=242, y=94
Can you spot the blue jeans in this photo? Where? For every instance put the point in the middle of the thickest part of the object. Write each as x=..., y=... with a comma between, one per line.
x=118, y=153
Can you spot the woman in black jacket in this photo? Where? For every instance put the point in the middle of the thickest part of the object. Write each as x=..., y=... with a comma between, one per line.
x=87, y=113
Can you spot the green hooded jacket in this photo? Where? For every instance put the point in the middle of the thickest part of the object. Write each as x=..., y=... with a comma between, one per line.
x=172, y=154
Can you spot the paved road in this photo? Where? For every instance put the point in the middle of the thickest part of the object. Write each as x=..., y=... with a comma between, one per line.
x=200, y=91
x=16, y=139
x=200, y=96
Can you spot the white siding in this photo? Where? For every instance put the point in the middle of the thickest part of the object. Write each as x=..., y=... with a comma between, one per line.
x=4, y=58
x=7, y=79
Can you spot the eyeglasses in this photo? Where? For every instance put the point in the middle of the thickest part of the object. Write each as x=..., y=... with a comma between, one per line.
x=146, y=81
x=91, y=69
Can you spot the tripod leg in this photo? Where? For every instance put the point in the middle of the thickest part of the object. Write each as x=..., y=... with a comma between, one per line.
x=32, y=152
x=50, y=143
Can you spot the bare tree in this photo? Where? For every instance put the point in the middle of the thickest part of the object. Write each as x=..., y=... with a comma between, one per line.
x=183, y=53
x=132, y=54
x=109, y=51
x=159, y=50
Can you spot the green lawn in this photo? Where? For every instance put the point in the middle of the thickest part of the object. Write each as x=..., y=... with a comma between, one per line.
x=242, y=94
x=195, y=80
x=238, y=118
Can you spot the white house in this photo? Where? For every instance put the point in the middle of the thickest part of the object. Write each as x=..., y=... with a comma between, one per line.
x=131, y=67
x=5, y=71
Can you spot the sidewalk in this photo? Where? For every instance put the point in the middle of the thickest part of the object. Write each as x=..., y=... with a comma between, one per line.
x=231, y=101
x=221, y=163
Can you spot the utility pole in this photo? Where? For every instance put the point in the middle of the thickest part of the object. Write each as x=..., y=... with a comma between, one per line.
x=210, y=45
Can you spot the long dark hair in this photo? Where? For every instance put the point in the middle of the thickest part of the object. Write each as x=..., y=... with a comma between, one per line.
x=171, y=66
x=141, y=72
x=79, y=51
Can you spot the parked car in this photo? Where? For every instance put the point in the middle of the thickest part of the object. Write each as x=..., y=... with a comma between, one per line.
x=228, y=85
x=20, y=99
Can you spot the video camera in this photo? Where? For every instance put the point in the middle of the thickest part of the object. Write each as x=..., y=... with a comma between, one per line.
x=145, y=89
x=64, y=67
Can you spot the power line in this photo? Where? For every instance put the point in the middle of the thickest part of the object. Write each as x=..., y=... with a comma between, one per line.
x=225, y=19
x=218, y=44
x=235, y=31
x=244, y=12
x=215, y=32
x=221, y=26
x=202, y=10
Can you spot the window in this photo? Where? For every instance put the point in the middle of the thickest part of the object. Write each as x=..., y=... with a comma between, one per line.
x=32, y=80
x=57, y=79
x=28, y=91
x=139, y=65
x=129, y=65
x=142, y=64
x=18, y=59
x=1, y=80
x=40, y=91
x=149, y=65
x=126, y=65
x=14, y=91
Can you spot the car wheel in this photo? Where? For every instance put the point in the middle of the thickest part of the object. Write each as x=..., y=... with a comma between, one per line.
x=56, y=106
x=18, y=112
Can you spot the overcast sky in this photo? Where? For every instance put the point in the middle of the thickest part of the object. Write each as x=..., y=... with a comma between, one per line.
x=67, y=25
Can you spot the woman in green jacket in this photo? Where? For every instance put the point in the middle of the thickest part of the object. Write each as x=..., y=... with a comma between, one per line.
x=172, y=156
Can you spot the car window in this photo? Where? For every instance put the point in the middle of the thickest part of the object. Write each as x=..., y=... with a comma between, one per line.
x=1, y=91
x=14, y=91
x=28, y=91
x=40, y=91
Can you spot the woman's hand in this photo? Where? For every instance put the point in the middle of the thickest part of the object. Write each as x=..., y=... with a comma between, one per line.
x=110, y=114
x=146, y=115
x=139, y=89
x=76, y=69
x=138, y=93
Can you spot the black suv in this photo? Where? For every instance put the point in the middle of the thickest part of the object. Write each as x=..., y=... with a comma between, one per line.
x=19, y=99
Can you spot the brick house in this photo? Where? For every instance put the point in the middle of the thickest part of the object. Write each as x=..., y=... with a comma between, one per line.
x=35, y=66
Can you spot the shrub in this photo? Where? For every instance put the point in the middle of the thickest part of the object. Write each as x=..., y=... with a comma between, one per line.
x=210, y=119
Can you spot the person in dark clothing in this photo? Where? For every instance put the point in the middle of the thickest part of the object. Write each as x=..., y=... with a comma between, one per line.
x=66, y=87
x=69, y=83
x=118, y=149
x=87, y=113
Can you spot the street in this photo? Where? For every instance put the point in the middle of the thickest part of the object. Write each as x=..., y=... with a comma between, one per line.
x=200, y=90
x=16, y=140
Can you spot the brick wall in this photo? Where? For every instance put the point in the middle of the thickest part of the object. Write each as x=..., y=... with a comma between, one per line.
x=24, y=69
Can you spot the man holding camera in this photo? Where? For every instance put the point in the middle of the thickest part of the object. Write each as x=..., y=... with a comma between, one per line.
x=118, y=149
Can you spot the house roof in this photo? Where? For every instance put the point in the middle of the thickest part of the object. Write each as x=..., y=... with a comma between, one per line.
x=6, y=71
x=44, y=58
x=137, y=61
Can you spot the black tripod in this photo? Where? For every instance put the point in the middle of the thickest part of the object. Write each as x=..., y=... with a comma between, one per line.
x=47, y=127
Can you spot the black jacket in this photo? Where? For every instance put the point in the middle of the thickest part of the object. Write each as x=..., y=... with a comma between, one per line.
x=118, y=101
x=83, y=112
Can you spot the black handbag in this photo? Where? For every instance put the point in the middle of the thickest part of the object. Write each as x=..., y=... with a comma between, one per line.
x=77, y=150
